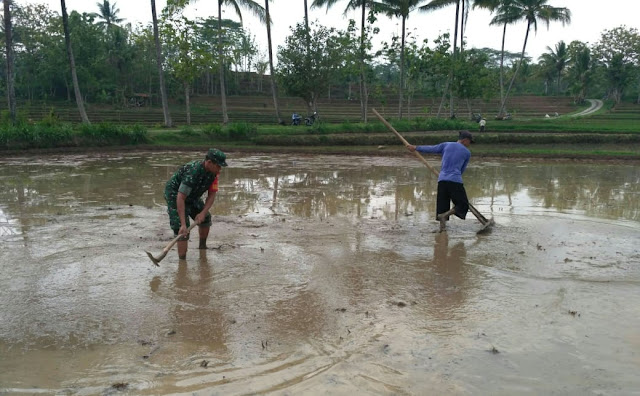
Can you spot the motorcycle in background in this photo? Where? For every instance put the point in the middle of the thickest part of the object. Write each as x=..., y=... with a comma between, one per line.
x=296, y=119
x=308, y=121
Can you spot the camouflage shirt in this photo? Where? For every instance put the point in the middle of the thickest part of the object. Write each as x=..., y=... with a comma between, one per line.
x=192, y=179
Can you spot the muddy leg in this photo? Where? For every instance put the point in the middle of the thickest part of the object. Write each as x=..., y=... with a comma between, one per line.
x=182, y=249
x=443, y=217
x=204, y=233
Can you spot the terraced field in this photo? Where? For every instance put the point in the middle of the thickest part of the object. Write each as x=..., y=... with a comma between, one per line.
x=260, y=109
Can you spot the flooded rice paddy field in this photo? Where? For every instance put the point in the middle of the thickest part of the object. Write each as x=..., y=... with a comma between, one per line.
x=323, y=276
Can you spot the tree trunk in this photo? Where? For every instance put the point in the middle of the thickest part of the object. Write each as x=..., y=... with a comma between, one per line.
x=223, y=93
x=364, y=96
x=452, y=76
x=306, y=17
x=274, y=85
x=462, y=29
x=504, y=35
x=401, y=70
x=559, y=78
x=150, y=90
x=187, y=102
x=444, y=96
x=11, y=91
x=159, y=60
x=72, y=64
x=66, y=85
x=524, y=47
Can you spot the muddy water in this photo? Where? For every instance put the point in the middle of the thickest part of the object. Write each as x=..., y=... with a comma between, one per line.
x=323, y=275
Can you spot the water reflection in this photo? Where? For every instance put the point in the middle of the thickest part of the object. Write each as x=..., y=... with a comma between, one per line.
x=318, y=187
x=195, y=314
x=447, y=287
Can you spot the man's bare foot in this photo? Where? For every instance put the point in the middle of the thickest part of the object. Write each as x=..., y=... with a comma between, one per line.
x=443, y=222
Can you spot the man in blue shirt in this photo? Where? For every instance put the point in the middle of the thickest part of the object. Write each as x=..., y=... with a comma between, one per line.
x=455, y=158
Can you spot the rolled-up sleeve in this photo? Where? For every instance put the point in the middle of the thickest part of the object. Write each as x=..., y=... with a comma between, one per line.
x=185, y=189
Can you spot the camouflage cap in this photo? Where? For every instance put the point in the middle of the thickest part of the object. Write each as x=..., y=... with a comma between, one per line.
x=217, y=156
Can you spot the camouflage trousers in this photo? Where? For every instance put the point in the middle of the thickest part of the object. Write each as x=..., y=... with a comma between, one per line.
x=192, y=209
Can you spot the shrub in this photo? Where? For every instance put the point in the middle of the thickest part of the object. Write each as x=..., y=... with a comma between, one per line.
x=188, y=130
x=138, y=134
x=51, y=119
x=215, y=132
x=5, y=118
x=36, y=136
x=242, y=131
x=108, y=134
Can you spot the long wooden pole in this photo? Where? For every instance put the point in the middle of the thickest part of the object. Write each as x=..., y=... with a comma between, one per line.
x=473, y=210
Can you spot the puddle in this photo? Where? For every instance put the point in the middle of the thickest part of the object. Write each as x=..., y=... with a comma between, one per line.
x=323, y=275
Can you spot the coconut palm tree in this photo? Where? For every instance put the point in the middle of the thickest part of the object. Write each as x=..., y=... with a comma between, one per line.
x=108, y=13
x=72, y=64
x=252, y=6
x=8, y=30
x=159, y=61
x=436, y=5
x=352, y=5
x=531, y=11
x=496, y=6
x=460, y=4
x=306, y=15
x=400, y=9
x=274, y=86
x=559, y=57
x=258, y=11
x=546, y=69
x=580, y=70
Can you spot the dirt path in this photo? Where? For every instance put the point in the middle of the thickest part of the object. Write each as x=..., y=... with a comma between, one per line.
x=596, y=104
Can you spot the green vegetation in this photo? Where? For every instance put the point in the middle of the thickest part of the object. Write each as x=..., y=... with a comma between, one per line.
x=214, y=69
x=613, y=132
x=48, y=134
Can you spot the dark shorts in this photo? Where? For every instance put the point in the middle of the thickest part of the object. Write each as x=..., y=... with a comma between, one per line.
x=452, y=192
x=192, y=208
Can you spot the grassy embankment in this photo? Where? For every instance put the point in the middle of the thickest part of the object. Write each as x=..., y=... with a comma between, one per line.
x=604, y=135
x=562, y=138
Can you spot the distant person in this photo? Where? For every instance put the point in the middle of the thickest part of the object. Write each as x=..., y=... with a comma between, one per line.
x=483, y=124
x=455, y=158
x=183, y=191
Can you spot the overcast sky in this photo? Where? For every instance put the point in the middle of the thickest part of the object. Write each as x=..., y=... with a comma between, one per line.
x=589, y=19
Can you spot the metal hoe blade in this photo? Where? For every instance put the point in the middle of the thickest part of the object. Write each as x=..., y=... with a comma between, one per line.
x=486, y=227
x=156, y=261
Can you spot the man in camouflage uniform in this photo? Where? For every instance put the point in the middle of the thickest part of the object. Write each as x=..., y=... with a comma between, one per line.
x=183, y=192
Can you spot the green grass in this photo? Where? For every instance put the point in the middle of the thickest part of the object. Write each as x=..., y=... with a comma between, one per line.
x=599, y=136
x=50, y=134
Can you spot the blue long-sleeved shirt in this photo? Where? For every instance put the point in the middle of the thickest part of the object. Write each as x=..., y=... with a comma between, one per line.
x=455, y=157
